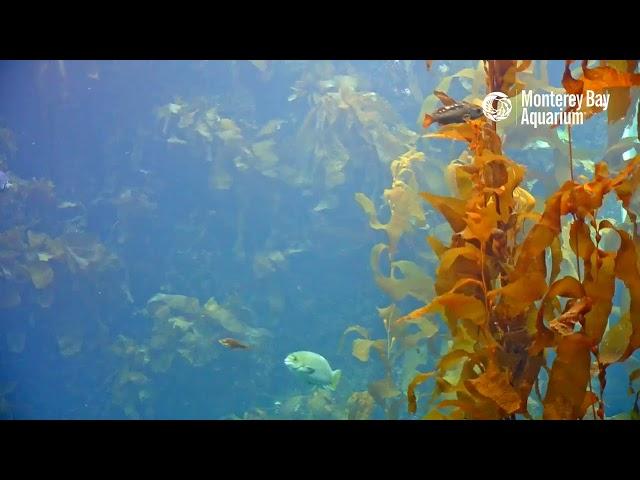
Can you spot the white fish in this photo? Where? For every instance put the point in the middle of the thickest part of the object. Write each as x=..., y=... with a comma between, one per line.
x=313, y=369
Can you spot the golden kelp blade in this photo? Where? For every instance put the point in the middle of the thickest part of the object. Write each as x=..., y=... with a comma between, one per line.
x=568, y=380
x=598, y=79
x=494, y=384
x=411, y=396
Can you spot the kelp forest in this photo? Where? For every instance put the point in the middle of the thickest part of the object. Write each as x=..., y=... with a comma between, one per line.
x=171, y=231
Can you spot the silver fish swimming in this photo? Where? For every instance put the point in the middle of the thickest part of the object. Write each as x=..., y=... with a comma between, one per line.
x=313, y=369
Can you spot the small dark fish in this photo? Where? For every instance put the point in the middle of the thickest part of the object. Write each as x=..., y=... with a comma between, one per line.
x=4, y=181
x=452, y=111
x=232, y=343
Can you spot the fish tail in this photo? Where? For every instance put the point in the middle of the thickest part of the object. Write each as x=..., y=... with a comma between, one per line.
x=428, y=120
x=335, y=378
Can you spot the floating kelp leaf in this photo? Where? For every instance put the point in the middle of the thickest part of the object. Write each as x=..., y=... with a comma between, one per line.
x=481, y=222
x=436, y=245
x=267, y=262
x=370, y=209
x=174, y=108
x=134, y=377
x=271, y=127
x=203, y=129
x=41, y=274
x=411, y=396
x=177, y=303
x=428, y=328
x=626, y=269
x=36, y=239
x=518, y=295
x=580, y=237
x=360, y=406
x=48, y=248
x=16, y=341
x=453, y=209
x=574, y=314
x=211, y=116
x=228, y=131
x=600, y=79
x=180, y=323
x=569, y=379
x=225, y=317
x=84, y=251
x=457, y=264
x=494, y=384
x=556, y=259
x=599, y=285
x=462, y=132
x=360, y=330
x=187, y=119
x=382, y=390
x=455, y=307
x=361, y=348
x=541, y=236
x=413, y=282
x=405, y=209
x=197, y=349
x=334, y=173
x=565, y=287
x=69, y=345
x=265, y=155
x=615, y=341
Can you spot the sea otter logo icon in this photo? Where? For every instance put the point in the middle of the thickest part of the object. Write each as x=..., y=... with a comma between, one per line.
x=502, y=110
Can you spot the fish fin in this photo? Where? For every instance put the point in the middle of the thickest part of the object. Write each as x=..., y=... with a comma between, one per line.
x=308, y=370
x=444, y=98
x=335, y=378
x=428, y=120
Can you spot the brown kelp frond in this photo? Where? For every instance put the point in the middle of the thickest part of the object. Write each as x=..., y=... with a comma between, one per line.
x=502, y=304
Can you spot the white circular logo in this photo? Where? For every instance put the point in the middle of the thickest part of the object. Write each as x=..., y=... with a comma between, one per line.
x=502, y=110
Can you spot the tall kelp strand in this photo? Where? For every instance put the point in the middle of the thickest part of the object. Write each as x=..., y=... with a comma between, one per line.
x=528, y=337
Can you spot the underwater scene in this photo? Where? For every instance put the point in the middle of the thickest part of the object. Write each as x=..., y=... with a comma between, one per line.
x=320, y=240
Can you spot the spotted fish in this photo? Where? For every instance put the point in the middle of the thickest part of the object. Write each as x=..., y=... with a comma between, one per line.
x=452, y=111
